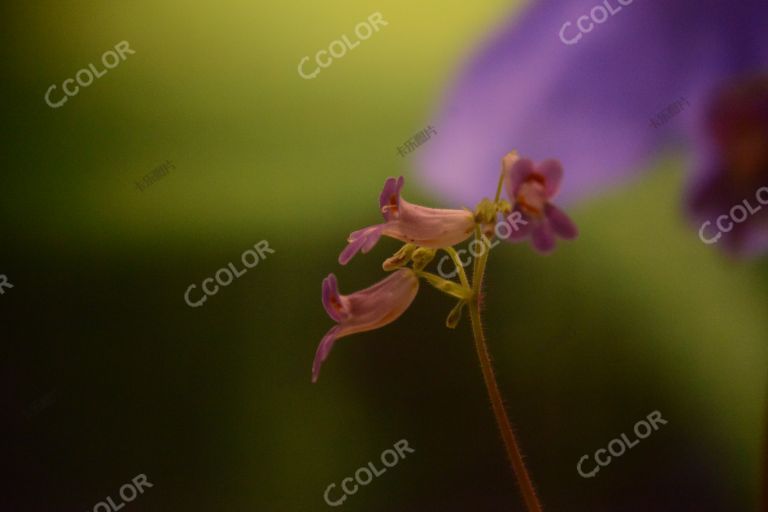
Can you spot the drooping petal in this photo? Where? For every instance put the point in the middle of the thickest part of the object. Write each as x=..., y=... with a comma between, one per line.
x=381, y=303
x=542, y=237
x=333, y=302
x=366, y=310
x=561, y=223
x=361, y=240
x=323, y=349
x=588, y=104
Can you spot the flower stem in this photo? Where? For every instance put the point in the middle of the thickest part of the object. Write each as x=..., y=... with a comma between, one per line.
x=764, y=476
x=459, y=267
x=497, y=404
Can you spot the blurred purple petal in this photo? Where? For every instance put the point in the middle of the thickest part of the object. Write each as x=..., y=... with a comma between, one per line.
x=728, y=192
x=518, y=171
x=518, y=228
x=543, y=238
x=589, y=103
x=552, y=170
x=561, y=223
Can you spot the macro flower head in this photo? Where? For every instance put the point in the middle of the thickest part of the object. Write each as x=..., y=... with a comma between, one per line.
x=530, y=189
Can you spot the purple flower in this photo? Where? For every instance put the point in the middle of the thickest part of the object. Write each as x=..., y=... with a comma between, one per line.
x=530, y=189
x=580, y=79
x=364, y=310
x=428, y=227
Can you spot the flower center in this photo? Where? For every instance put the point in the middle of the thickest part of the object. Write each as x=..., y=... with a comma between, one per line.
x=336, y=304
x=531, y=195
x=393, y=204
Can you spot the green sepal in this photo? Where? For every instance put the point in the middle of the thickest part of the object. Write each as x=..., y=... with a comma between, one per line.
x=455, y=315
x=400, y=258
x=444, y=285
x=422, y=256
x=485, y=213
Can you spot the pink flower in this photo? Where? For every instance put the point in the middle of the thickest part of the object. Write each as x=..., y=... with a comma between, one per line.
x=530, y=189
x=364, y=310
x=428, y=227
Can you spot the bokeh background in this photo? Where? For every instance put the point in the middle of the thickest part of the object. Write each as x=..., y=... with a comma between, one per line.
x=214, y=404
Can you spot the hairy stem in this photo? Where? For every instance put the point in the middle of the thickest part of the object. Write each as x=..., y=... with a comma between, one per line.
x=505, y=427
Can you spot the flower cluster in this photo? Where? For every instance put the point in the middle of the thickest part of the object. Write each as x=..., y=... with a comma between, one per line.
x=424, y=230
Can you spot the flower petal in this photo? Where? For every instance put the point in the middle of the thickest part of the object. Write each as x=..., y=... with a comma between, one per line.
x=543, y=238
x=368, y=309
x=389, y=200
x=332, y=300
x=361, y=240
x=561, y=223
x=323, y=349
x=515, y=175
x=552, y=170
x=518, y=227
x=430, y=227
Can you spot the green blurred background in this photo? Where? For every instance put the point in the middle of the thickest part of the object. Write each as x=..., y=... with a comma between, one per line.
x=214, y=404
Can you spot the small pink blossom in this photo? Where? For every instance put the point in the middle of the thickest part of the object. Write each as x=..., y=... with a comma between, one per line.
x=427, y=227
x=530, y=189
x=364, y=310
